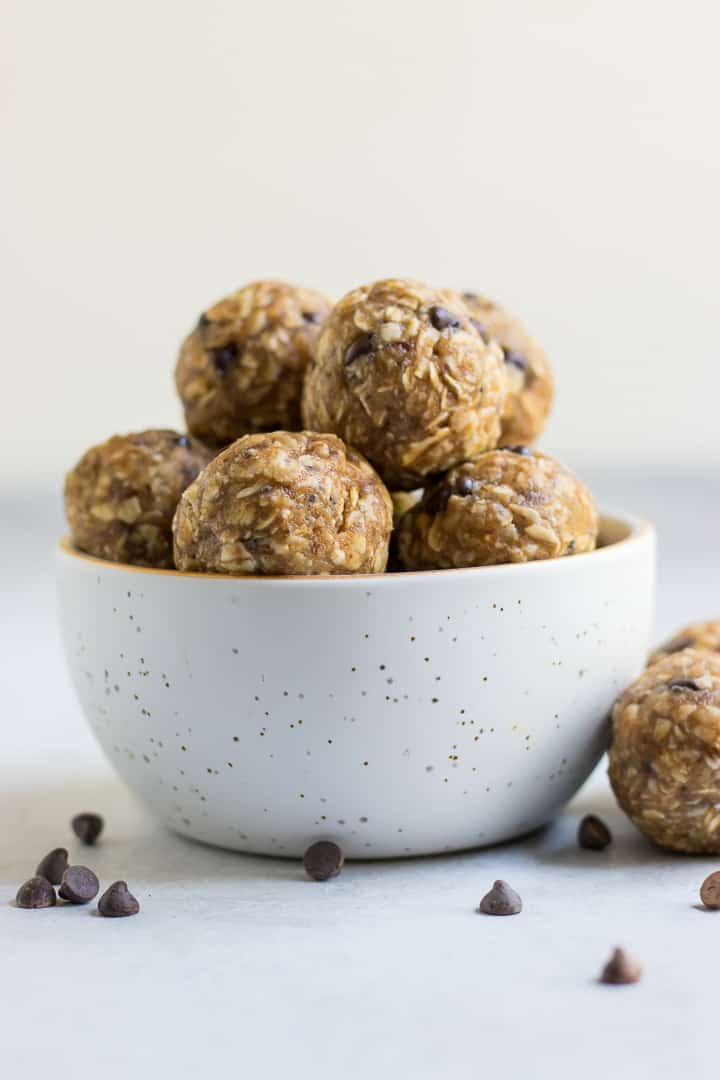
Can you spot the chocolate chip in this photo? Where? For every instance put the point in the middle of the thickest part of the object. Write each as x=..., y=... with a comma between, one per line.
x=79, y=885
x=117, y=901
x=182, y=440
x=360, y=346
x=470, y=296
x=311, y=316
x=683, y=684
x=323, y=860
x=516, y=359
x=593, y=833
x=87, y=827
x=464, y=486
x=525, y=450
x=37, y=892
x=224, y=357
x=480, y=329
x=203, y=321
x=710, y=890
x=620, y=969
x=435, y=499
x=53, y=866
x=501, y=900
x=441, y=318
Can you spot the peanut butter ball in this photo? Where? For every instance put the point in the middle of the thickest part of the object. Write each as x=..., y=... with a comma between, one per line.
x=121, y=496
x=529, y=375
x=285, y=503
x=697, y=635
x=510, y=505
x=402, y=374
x=664, y=760
x=242, y=367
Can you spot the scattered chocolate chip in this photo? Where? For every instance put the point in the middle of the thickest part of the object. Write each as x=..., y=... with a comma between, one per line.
x=435, y=499
x=441, y=318
x=311, y=316
x=593, y=833
x=470, y=296
x=683, y=684
x=360, y=346
x=87, y=827
x=224, y=357
x=53, y=866
x=516, y=359
x=482, y=331
x=182, y=440
x=37, y=892
x=118, y=901
x=525, y=450
x=203, y=321
x=710, y=890
x=501, y=900
x=464, y=486
x=620, y=969
x=79, y=885
x=323, y=860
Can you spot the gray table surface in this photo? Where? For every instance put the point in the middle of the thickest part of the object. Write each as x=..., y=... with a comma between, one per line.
x=237, y=964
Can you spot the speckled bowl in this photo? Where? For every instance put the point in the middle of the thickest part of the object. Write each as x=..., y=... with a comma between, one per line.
x=399, y=714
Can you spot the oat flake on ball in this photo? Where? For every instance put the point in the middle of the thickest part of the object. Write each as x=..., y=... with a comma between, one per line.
x=529, y=375
x=664, y=758
x=241, y=369
x=121, y=496
x=401, y=373
x=285, y=503
x=511, y=505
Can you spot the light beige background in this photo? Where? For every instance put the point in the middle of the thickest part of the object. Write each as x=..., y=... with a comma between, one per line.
x=561, y=155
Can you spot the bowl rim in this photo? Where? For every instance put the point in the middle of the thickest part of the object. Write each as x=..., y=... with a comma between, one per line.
x=639, y=531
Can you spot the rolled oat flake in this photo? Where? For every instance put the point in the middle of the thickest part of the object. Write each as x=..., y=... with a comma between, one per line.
x=501, y=900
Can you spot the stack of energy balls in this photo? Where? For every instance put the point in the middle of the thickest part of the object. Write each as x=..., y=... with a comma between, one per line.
x=318, y=434
x=321, y=438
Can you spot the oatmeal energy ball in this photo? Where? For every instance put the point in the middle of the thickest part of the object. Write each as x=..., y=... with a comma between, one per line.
x=530, y=378
x=665, y=752
x=401, y=373
x=699, y=635
x=285, y=503
x=121, y=496
x=241, y=369
x=511, y=505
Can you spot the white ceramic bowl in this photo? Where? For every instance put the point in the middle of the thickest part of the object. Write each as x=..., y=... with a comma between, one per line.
x=400, y=714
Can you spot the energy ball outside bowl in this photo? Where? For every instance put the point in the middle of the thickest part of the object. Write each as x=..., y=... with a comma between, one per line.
x=530, y=378
x=285, y=503
x=511, y=505
x=664, y=759
x=697, y=635
x=121, y=496
x=241, y=369
x=401, y=373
